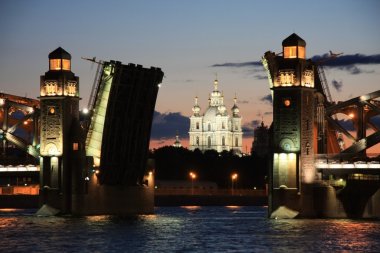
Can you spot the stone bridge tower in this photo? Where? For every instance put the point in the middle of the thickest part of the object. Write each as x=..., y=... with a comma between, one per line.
x=61, y=143
x=292, y=85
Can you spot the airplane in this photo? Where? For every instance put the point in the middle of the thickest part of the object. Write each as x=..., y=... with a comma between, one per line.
x=93, y=59
x=334, y=55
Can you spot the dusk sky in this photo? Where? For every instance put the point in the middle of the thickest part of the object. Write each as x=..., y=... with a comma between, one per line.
x=186, y=39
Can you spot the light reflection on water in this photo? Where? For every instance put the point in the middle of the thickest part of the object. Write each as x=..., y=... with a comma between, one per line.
x=185, y=229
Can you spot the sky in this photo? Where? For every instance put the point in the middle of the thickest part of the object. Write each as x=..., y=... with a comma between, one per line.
x=191, y=41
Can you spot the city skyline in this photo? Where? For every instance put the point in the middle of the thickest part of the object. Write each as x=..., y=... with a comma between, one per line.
x=190, y=41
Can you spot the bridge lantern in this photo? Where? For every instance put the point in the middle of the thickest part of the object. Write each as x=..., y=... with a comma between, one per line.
x=59, y=80
x=294, y=47
x=59, y=59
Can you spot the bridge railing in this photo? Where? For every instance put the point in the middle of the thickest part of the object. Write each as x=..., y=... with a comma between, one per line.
x=340, y=158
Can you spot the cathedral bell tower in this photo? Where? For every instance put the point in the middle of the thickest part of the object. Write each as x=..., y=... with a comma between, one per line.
x=292, y=85
x=61, y=145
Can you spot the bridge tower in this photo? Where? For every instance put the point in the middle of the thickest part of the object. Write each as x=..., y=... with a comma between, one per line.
x=293, y=120
x=61, y=143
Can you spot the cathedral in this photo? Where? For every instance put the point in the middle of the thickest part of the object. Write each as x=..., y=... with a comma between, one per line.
x=216, y=129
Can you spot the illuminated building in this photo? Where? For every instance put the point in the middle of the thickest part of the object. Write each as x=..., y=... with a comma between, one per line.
x=216, y=129
x=61, y=143
x=177, y=142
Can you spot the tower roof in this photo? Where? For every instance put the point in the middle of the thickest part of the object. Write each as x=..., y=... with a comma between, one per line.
x=60, y=53
x=293, y=40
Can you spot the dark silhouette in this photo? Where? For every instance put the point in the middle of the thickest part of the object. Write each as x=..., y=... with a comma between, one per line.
x=176, y=163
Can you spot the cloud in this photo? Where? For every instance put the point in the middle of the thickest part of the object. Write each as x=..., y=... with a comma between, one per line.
x=239, y=64
x=252, y=67
x=354, y=70
x=259, y=114
x=267, y=98
x=243, y=102
x=348, y=62
x=248, y=128
x=337, y=85
x=166, y=125
x=344, y=62
x=260, y=77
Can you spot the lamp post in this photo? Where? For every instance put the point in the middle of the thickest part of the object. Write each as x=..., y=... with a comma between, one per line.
x=234, y=177
x=192, y=177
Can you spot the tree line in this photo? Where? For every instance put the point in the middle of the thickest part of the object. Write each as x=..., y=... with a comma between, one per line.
x=173, y=163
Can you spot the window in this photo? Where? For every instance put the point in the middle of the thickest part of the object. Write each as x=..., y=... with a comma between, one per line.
x=209, y=142
x=197, y=125
x=290, y=52
x=287, y=102
x=51, y=110
x=236, y=142
x=236, y=127
x=51, y=88
x=58, y=64
x=71, y=89
x=66, y=64
x=197, y=141
x=75, y=146
x=286, y=78
x=308, y=78
x=223, y=125
x=55, y=64
x=209, y=127
x=223, y=141
x=301, y=52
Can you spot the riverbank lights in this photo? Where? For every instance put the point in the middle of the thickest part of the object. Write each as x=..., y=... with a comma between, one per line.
x=234, y=177
x=193, y=175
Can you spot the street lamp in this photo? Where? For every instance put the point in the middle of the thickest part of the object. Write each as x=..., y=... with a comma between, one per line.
x=192, y=176
x=233, y=178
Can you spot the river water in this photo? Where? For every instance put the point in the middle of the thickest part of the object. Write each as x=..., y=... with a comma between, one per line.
x=185, y=229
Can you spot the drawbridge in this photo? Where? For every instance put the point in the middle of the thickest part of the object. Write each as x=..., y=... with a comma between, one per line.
x=97, y=107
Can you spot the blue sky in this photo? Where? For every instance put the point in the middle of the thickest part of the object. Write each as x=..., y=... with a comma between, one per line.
x=185, y=38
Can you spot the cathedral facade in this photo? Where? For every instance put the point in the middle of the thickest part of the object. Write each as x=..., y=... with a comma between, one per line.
x=216, y=129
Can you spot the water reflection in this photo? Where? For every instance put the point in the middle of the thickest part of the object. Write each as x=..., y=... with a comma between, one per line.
x=191, y=208
x=186, y=229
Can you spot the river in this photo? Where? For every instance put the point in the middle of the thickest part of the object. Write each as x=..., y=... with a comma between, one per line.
x=185, y=229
